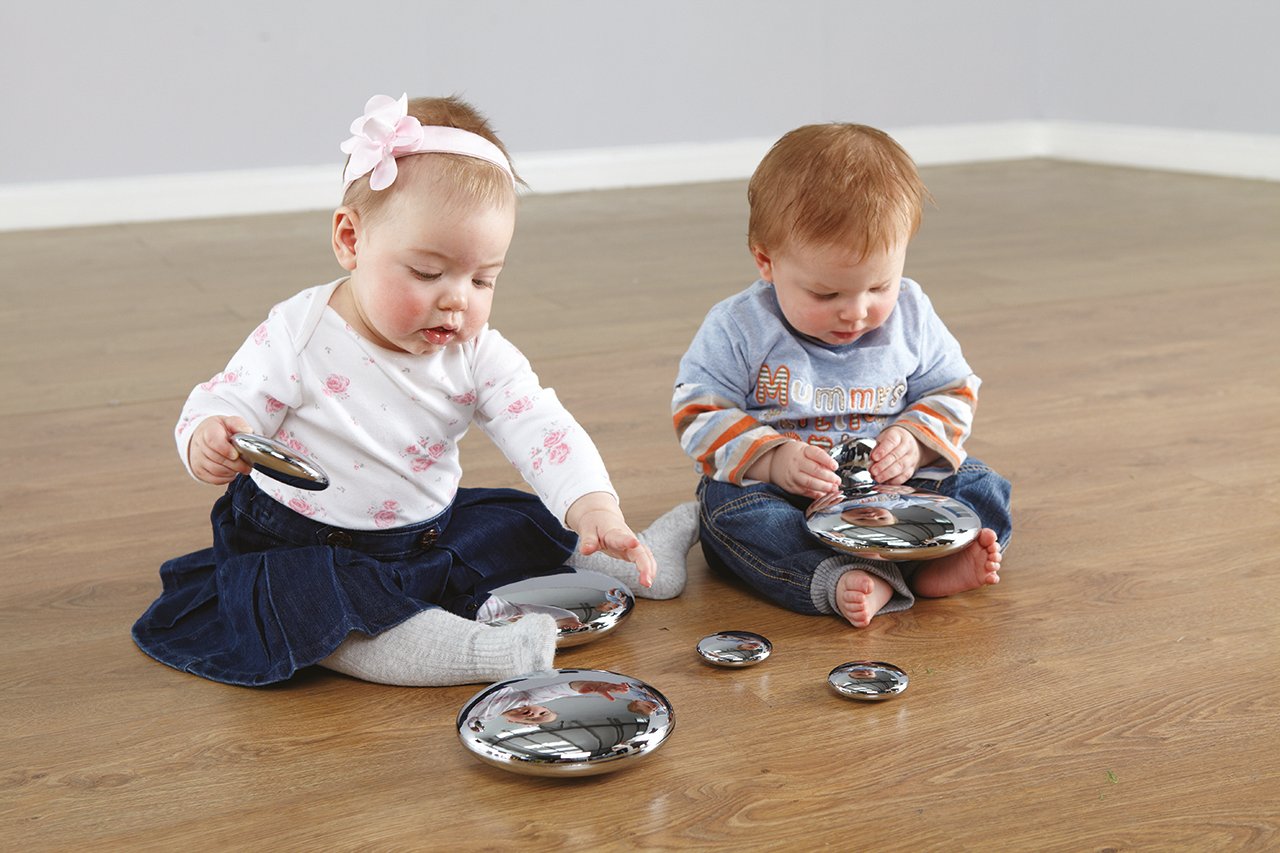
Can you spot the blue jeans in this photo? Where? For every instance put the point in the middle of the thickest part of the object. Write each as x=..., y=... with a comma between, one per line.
x=758, y=533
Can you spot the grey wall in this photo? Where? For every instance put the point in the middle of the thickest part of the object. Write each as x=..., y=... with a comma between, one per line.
x=1198, y=64
x=136, y=87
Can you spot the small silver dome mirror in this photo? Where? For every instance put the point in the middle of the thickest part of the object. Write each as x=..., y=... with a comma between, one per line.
x=280, y=462
x=734, y=648
x=868, y=680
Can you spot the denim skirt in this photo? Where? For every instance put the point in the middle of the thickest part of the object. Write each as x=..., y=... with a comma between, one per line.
x=279, y=591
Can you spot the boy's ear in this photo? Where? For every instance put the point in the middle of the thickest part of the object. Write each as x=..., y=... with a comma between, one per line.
x=763, y=262
x=346, y=233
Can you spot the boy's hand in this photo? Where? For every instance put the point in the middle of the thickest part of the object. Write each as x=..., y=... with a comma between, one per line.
x=798, y=468
x=598, y=521
x=897, y=456
x=214, y=459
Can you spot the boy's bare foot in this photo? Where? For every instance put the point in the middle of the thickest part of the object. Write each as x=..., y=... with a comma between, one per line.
x=860, y=596
x=975, y=566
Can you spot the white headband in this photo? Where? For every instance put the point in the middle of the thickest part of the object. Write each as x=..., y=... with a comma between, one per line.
x=387, y=131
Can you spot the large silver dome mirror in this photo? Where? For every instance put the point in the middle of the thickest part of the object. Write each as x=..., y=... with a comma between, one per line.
x=565, y=722
x=882, y=522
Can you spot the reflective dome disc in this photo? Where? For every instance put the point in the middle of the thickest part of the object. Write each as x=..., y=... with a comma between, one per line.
x=893, y=523
x=586, y=605
x=565, y=722
x=883, y=522
x=734, y=648
x=868, y=680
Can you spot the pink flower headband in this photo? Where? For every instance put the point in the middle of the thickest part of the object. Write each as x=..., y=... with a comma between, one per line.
x=387, y=131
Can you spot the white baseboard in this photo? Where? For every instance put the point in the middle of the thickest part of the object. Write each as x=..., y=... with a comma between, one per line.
x=1232, y=155
x=189, y=196
x=150, y=198
x=640, y=166
x=943, y=144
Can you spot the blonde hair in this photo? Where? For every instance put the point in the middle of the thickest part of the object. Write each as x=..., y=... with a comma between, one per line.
x=456, y=176
x=835, y=183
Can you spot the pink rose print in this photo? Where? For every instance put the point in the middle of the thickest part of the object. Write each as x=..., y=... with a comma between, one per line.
x=300, y=505
x=228, y=378
x=466, y=399
x=185, y=423
x=553, y=450
x=273, y=405
x=424, y=453
x=287, y=439
x=385, y=515
x=260, y=335
x=524, y=404
x=336, y=386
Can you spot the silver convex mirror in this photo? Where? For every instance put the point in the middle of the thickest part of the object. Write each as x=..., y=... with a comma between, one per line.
x=280, y=462
x=565, y=722
x=868, y=680
x=586, y=605
x=883, y=522
x=734, y=648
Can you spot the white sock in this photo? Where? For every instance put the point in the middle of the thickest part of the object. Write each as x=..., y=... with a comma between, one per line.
x=436, y=648
x=669, y=538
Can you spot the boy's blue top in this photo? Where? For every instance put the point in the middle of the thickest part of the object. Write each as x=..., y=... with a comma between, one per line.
x=750, y=381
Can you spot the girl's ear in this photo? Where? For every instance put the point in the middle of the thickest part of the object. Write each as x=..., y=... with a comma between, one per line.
x=346, y=231
x=763, y=263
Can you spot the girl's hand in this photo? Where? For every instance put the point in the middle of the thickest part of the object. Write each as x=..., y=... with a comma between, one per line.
x=214, y=459
x=896, y=457
x=600, y=526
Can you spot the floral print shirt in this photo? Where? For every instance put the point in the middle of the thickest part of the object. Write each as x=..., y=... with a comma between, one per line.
x=385, y=425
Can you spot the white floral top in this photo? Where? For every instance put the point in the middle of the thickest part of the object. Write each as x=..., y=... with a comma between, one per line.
x=385, y=425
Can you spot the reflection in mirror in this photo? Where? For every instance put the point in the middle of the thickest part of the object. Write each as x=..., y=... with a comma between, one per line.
x=853, y=458
x=565, y=722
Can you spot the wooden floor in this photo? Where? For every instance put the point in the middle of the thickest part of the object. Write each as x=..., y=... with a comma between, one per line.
x=1120, y=689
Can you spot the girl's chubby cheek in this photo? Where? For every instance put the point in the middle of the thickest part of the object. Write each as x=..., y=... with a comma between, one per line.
x=407, y=315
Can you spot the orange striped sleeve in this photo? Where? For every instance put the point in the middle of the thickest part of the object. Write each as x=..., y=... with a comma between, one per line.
x=736, y=475
x=932, y=412
x=682, y=418
x=937, y=443
x=724, y=438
